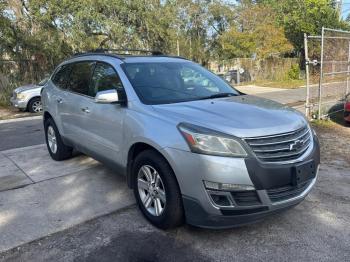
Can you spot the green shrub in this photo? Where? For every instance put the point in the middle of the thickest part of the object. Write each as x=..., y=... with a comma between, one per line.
x=294, y=72
x=6, y=88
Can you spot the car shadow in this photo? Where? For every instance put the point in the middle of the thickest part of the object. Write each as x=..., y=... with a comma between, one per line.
x=336, y=114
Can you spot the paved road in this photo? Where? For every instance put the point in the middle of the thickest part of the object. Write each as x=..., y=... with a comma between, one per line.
x=293, y=96
x=21, y=134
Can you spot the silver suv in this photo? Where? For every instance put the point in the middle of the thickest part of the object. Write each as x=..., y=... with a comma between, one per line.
x=191, y=147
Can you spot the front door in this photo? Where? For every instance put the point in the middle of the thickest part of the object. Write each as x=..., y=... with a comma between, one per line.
x=103, y=123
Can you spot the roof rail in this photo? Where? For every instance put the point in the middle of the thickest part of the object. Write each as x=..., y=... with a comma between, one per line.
x=95, y=53
x=126, y=51
x=122, y=53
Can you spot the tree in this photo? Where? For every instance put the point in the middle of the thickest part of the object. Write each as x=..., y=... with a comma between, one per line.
x=50, y=30
x=255, y=32
x=305, y=16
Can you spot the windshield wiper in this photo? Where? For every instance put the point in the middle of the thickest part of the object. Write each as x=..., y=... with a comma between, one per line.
x=219, y=95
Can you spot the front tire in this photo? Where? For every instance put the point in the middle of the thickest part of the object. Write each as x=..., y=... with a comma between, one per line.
x=156, y=190
x=57, y=149
x=35, y=105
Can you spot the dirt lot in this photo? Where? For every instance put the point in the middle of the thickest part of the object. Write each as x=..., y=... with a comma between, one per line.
x=10, y=112
x=316, y=230
x=334, y=139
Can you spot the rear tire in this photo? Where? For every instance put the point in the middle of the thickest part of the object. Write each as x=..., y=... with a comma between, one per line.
x=57, y=149
x=165, y=190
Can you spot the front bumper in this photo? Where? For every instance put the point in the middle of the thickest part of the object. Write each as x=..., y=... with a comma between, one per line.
x=271, y=181
x=22, y=104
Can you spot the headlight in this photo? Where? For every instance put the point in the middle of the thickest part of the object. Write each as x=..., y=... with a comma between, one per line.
x=205, y=141
x=21, y=96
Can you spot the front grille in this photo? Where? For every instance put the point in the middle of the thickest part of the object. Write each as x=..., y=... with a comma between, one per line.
x=287, y=192
x=281, y=147
x=246, y=198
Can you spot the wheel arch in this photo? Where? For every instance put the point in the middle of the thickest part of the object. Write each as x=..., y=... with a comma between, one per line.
x=46, y=116
x=135, y=150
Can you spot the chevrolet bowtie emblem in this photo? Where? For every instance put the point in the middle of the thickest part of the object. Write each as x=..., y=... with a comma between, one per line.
x=296, y=145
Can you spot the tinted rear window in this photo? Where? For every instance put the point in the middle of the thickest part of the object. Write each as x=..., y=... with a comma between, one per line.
x=61, y=76
x=80, y=76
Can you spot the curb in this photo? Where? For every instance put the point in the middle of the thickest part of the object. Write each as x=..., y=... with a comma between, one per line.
x=20, y=119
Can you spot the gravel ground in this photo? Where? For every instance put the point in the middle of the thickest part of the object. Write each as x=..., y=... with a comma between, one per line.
x=316, y=230
x=334, y=139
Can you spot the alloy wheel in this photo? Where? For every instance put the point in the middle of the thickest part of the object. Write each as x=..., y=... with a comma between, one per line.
x=37, y=106
x=51, y=139
x=151, y=190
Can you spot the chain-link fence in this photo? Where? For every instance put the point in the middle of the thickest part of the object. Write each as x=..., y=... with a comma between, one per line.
x=328, y=63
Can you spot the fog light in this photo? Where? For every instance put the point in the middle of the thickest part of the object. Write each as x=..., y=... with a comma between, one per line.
x=220, y=200
x=227, y=187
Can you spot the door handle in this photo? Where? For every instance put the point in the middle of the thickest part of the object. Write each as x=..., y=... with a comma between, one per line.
x=85, y=110
x=59, y=100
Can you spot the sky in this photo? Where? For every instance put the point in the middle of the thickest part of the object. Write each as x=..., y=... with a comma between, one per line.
x=345, y=8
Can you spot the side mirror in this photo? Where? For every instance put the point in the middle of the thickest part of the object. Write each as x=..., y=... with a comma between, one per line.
x=109, y=96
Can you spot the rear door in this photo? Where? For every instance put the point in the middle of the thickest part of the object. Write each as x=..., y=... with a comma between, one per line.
x=73, y=110
x=59, y=94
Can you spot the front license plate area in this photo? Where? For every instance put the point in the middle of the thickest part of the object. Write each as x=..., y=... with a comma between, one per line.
x=303, y=172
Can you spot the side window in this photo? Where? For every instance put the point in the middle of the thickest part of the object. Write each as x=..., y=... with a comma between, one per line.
x=80, y=76
x=61, y=76
x=104, y=78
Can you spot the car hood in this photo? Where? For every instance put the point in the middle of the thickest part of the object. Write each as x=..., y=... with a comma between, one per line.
x=242, y=116
x=27, y=88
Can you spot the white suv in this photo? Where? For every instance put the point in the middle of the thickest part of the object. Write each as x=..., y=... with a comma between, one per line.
x=28, y=97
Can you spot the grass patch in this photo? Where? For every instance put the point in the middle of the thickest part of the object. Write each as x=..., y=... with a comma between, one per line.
x=323, y=123
x=334, y=120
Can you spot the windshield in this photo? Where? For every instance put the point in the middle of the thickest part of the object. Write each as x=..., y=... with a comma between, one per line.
x=43, y=82
x=173, y=82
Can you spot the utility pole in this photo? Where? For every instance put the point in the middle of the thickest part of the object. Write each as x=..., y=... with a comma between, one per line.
x=307, y=62
x=321, y=78
x=178, y=47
